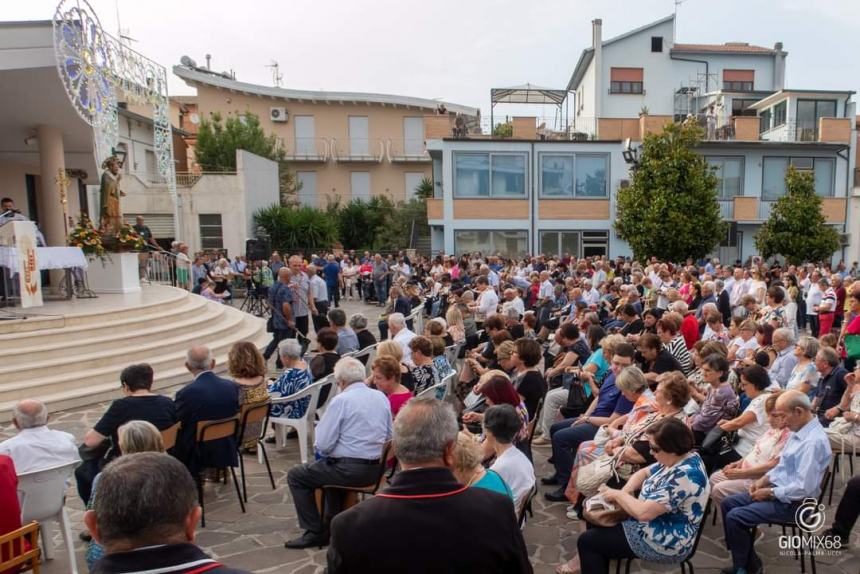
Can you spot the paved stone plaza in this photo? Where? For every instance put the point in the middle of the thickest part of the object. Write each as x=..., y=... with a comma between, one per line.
x=254, y=540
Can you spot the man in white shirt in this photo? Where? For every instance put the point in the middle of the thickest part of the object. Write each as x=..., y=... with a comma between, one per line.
x=488, y=302
x=547, y=289
x=36, y=447
x=590, y=294
x=513, y=301
x=319, y=292
x=813, y=300
x=401, y=334
x=739, y=287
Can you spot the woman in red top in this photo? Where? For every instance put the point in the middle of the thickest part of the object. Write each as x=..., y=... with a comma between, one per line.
x=386, y=377
x=10, y=516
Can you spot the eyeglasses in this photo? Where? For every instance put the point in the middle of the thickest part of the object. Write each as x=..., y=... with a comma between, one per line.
x=654, y=448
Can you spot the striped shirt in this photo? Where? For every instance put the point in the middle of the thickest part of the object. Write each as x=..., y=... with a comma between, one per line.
x=677, y=347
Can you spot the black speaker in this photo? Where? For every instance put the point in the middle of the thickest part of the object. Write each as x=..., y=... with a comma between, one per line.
x=257, y=249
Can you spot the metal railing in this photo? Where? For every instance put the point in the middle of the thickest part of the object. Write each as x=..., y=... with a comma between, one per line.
x=794, y=131
x=723, y=128
x=163, y=267
x=307, y=149
x=764, y=209
x=358, y=149
x=406, y=150
x=727, y=209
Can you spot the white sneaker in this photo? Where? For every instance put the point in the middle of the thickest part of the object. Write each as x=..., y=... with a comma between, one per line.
x=572, y=514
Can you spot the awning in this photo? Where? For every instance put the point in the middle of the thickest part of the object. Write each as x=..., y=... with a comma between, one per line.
x=527, y=94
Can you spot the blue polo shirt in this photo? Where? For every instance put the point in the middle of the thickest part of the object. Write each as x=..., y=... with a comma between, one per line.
x=610, y=400
x=330, y=272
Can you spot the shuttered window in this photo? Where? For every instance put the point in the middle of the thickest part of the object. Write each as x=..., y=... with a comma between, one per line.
x=626, y=80
x=738, y=80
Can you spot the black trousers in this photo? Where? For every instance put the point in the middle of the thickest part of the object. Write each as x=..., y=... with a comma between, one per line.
x=715, y=462
x=849, y=508
x=597, y=546
x=302, y=324
x=334, y=295
x=812, y=321
x=277, y=336
x=320, y=319
x=304, y=479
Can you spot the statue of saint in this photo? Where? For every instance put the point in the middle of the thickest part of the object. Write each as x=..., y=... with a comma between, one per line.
x=110, y=214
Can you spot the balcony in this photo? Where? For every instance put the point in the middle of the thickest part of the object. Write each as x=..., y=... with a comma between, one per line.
x=764, y=209
x=727, y=209
x=407, y=151
x=310, y=150
x=358, y=150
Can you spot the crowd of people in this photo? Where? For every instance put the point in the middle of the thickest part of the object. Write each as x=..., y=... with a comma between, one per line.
x=656, y=392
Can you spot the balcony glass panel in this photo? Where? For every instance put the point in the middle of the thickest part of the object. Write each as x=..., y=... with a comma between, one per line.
x=472, y=175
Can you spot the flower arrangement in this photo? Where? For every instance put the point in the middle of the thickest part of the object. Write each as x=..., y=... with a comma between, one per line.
x=128, y=239
x=85, y=236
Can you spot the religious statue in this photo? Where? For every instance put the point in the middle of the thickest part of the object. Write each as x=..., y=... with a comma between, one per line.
x=110, y=214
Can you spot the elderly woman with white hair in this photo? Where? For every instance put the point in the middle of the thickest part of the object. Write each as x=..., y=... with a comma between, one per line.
x=358, y=323
x=295, y=377
x=221, y=274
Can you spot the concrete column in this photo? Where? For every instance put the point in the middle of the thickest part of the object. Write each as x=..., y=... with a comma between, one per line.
x=52, y=159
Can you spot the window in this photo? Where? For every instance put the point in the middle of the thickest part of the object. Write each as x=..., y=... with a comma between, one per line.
x=738, y=80
x=591, y=176
x=740, y=107
x=359, y=144
x=505, y=243
x=308, y=190
x=764, y=121
x=359, y=185
x=211, y=234
x=489, y=175
x=656, y=43
x=305, y=134
x=808, y=114
x=412, y=181
x=730, y=172
x=775, y=169
x=559, y=243
x=779, y=114
x=626, y=80
x=574, y=175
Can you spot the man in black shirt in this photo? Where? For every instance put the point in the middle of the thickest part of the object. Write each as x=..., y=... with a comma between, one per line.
x=633, y=323
x=831, y=385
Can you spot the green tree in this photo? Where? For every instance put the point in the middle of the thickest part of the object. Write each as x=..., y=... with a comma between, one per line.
x=218, y=140
x=670, y=210
x=406, y=218
x=297, y=228
x=503, y=130
x=361, y=223
x=797, y=229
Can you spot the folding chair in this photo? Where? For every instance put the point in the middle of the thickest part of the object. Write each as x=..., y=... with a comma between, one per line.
x=251, y=413
x=385, y=458
x=168, y=436
x=208, y=431
x=12, y=546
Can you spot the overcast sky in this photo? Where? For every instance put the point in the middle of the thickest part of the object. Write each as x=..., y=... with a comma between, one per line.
x=457, y=49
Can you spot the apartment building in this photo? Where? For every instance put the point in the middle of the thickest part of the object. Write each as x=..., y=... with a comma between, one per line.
x=341, y=145
x=621, y=90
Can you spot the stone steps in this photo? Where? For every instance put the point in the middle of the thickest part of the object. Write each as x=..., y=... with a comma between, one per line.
x=80, y=364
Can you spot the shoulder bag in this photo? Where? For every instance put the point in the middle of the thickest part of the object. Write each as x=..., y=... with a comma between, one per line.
x=599, y=513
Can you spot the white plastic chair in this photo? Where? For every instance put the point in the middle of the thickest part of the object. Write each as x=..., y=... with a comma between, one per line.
x=450, y=383
x=452, y=352
x=431, y=391
x=302, y=425
x=370, y=353
x=417, y=318
x=42, y=495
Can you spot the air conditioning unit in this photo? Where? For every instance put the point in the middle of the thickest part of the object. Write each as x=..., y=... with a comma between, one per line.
x=278, y=115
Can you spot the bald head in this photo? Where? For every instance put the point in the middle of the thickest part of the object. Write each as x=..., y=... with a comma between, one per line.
x=795, y=407
x=199, y=359
x=30, y=413
x=284, y=274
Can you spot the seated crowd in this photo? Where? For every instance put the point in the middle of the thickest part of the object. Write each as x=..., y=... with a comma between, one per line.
x=664, y=392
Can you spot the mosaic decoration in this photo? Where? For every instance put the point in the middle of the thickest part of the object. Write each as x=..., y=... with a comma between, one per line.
x=96, y=69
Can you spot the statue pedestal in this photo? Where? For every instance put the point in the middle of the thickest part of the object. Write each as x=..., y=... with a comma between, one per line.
x=118, y=274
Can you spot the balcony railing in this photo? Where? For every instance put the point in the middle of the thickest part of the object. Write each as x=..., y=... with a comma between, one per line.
x=307, y=149
x=764, y=209
x=795, y=131
x=370, y=150
x=406, y=150
x=727, y=209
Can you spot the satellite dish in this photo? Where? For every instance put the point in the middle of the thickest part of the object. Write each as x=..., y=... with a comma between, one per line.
x=187, y=62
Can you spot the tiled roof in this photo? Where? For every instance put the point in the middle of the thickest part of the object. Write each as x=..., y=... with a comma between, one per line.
x=727, y=48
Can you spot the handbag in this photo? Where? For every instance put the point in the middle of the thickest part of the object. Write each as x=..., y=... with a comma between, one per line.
x=577, y=401
x=718, y=441
x=270, y=325
x=602, y=436
x=852, y=346
x=600, y=513
x=590, y=477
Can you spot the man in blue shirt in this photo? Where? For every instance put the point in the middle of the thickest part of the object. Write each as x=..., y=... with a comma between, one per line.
x=331, y=273
x=776, y=496
x=349, y=441
x=283, y=323
x=567, y=435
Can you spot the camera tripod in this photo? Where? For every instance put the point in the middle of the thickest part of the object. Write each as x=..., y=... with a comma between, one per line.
x=254, y=304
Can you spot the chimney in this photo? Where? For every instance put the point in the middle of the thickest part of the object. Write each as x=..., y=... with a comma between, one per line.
x=597, y=46
x=208, y=61
x=778, y=67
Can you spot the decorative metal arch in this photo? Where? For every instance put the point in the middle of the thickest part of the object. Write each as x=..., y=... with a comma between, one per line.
x=94, y=68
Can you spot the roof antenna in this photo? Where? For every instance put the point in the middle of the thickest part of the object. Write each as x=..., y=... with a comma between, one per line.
x=675, y=20
x=277, y=76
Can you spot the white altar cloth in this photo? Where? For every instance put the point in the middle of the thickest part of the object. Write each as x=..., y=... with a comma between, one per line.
x=48, y=257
